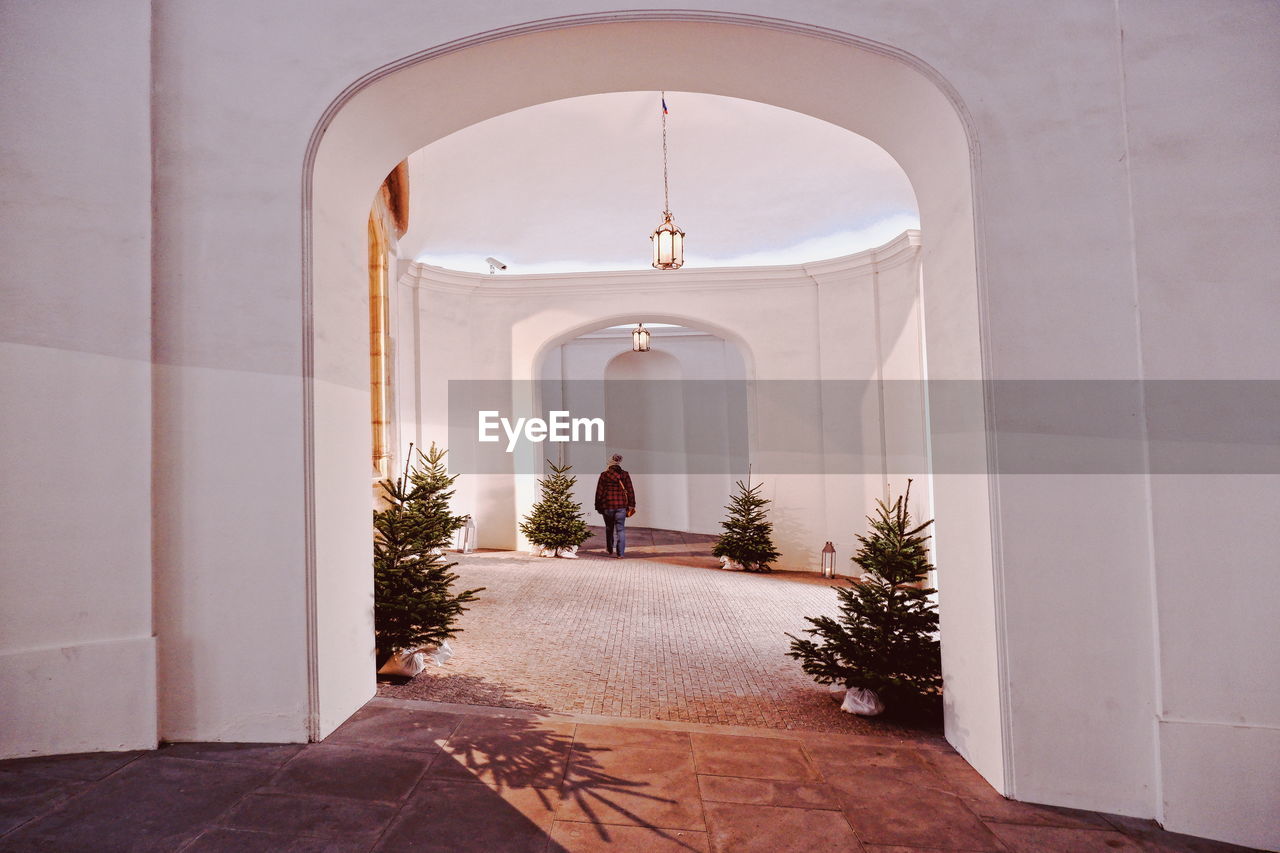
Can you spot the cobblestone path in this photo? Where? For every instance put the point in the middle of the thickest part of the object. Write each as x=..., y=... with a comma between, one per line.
x=640, y=638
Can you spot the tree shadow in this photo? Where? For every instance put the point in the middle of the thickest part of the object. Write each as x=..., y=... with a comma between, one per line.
x=456, y=688
x=540, y=755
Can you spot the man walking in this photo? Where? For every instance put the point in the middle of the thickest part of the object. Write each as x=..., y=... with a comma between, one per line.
x=616, y=501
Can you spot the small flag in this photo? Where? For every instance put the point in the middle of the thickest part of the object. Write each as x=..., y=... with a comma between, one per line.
x=664, y=106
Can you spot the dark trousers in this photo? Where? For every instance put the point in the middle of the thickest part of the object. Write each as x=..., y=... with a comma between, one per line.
x=615, y=525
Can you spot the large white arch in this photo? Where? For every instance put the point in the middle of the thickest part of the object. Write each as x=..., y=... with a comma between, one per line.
x=868, y=88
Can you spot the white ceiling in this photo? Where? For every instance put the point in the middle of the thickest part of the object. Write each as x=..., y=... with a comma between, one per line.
x=577, y=185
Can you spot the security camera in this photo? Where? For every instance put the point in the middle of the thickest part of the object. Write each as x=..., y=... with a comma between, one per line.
x=495, y=264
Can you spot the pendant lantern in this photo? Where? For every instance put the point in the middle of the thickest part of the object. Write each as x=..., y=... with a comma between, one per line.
x=668, y=240
x=668, y=244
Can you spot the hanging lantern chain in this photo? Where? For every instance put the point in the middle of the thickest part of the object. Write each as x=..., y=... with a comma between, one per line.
x=666, y=186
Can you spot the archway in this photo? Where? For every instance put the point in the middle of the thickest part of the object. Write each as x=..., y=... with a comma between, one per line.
x=684, y=442
x=694, y=491
x=867, y=88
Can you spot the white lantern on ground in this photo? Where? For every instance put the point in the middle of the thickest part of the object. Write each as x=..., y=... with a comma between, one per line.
x=828, y=560
x=465, y=536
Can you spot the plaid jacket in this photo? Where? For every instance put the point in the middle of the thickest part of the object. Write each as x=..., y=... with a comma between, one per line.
x=613, y=490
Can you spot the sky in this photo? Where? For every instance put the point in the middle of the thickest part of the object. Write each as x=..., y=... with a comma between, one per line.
x=576, y=185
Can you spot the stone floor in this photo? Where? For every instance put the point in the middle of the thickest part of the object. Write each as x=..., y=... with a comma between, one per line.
x=645, y=637
x=416, y=776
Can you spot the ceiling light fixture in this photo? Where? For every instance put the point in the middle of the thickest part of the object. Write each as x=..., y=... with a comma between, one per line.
x=640, y=338
x=668, y=240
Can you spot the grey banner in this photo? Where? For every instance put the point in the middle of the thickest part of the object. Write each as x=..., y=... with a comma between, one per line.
x=869, y=427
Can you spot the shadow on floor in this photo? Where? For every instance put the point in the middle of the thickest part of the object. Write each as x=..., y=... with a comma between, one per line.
x=388, y=779
x=435, y=684
x=650, y=543
x=410, y=776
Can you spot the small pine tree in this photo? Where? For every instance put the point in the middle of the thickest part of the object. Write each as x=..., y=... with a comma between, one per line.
x=556, y=521
x=748, y=534
x=413, y=600
x=885, y=638
x=432, y=491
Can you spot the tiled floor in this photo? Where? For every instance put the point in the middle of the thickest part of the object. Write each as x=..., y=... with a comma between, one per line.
x=414, y=776
x=628, y=671
x=641, y=637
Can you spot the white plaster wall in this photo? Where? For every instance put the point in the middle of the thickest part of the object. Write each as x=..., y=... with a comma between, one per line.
x=1208, y=310
x=77, y=656
x=1112, y=143
x=1076, y=617
x=230, y=510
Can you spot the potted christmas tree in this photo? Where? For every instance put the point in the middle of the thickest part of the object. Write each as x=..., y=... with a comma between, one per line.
x=885, y=638
x=556, y=524
x=414, y=605
x=747, y=541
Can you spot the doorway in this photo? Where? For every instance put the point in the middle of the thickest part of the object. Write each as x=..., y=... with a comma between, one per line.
x=865, y=87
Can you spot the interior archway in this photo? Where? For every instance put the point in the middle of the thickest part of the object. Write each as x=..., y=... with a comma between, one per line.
x=864, y=87
x=701, y=488
x=684, y=443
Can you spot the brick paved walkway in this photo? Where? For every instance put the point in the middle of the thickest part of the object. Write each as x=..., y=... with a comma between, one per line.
x=640, y=638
